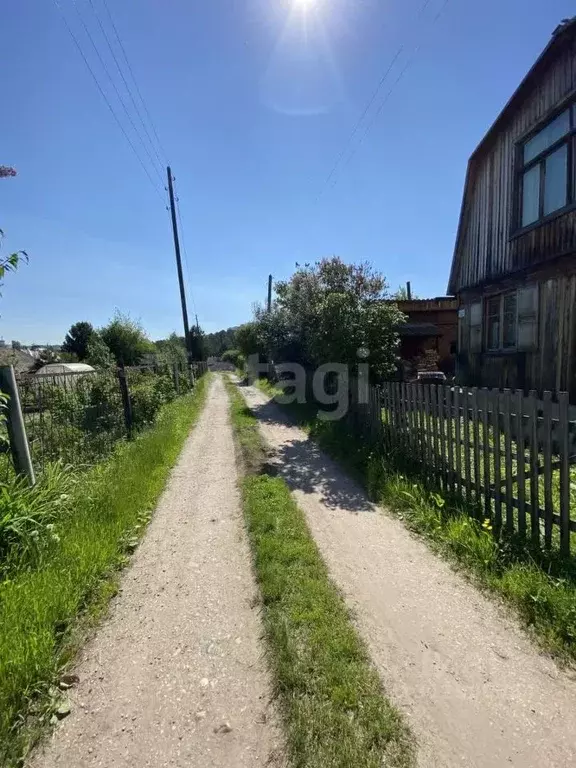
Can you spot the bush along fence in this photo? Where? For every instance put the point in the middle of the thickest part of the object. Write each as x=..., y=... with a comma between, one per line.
x=510, y=457
x=79, y=417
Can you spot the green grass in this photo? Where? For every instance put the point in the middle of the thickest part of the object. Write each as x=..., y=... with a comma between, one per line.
x=45, y=611
x=540, y=585
x=334, y=710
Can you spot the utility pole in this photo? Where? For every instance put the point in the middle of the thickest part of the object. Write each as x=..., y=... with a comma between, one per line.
x=179, y=265
x=408, y=291
x=197, y=326
x=269, y=304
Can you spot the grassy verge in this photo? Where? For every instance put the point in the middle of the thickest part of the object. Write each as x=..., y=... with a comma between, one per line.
x=331, y=700
x=539, y=585
x=46, y=610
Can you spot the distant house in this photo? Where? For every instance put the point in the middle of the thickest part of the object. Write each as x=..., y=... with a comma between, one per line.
x=514, y=264
x=428, y=337
x=22, y=361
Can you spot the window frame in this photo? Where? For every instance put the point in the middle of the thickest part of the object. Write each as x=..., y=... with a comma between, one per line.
x=568, y=139
x=501, y=348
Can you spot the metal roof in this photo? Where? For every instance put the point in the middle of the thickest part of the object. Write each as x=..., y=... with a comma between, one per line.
x=419, y=329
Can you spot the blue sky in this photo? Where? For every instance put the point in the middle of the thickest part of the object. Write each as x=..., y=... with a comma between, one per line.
x=253, y=101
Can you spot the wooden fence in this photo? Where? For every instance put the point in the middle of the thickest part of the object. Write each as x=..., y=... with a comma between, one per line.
x=508, y=455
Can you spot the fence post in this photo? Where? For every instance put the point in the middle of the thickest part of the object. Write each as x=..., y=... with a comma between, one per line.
x=564, y=450
x=126, y=404
x=534, y=466
x=547, y=446
x=15, y=423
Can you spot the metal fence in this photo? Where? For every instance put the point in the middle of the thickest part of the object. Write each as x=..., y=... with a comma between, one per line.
x=79, y=417
x=508, y=455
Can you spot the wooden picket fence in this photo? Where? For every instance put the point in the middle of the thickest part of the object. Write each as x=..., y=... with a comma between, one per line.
x=507, y=455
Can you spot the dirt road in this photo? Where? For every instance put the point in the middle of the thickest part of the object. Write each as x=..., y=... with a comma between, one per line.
x=476, y=692
x=176, y=676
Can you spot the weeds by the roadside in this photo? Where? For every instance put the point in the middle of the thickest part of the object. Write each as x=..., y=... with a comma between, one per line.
x=540, y=585
x=29, y=517
x=44, y=609
x=331, y=699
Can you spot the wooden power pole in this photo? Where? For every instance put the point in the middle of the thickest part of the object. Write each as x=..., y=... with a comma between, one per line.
x=179, y=265
x=269, y=303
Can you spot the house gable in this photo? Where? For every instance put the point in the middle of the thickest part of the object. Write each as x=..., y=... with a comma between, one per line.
x=487, y=247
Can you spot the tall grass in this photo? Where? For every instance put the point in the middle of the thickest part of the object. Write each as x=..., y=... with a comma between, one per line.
x=30, y=517
x=43, y=609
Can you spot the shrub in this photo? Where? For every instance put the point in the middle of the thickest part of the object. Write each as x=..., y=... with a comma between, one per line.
x=148, y=393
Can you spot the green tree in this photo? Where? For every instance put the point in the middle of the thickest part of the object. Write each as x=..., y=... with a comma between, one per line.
x=78, y=339
x=98, y=354
x=330, y=312
x=126, y=339
x=249, y=339
x=16, y=344
x=401, y=294
x=197, y=346
x=218, y=342
x=233, y=356
x=172, y=350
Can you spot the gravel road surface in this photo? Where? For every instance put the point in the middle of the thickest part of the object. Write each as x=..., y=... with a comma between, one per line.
x=176, y=676
x=475, y=690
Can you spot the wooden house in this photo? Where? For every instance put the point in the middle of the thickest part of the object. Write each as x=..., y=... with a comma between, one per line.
x=514, y=264
x=428, y=337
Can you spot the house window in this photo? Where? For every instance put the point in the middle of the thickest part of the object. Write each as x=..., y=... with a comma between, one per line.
x=511, y=320
x=501, y=321
x=546, y=183
x=493, y=322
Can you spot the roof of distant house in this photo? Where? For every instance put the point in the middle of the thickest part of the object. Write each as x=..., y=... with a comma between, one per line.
x=22, y=361
x=419, y=329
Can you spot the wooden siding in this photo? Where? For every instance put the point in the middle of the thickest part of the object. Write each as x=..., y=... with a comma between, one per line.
x=487, y=248
x=552, y=364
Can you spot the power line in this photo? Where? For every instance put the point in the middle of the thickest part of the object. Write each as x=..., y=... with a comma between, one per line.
x=118, y=38
x=105, y=97
x=121, y=100
x=361, y=119
x=183, y=238
x=393, y=86
x=372, y=100
x=129, y=90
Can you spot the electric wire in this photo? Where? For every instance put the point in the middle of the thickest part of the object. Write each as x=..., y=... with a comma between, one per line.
x=126, y=85
x=393, y=86
x=118, y=94
x=105, y=97
x=372, y=100
x=122, y=48
x=188, y=272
